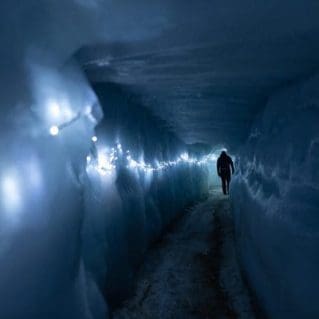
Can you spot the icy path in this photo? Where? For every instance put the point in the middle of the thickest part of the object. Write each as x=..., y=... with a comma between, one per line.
x=193, y=272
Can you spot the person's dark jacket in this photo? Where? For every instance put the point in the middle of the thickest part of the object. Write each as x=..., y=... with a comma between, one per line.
x=224, y=165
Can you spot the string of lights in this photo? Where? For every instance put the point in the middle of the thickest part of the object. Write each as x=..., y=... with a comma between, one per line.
x=106, y=160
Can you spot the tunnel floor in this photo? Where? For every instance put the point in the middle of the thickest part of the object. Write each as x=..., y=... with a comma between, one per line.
x=193, y=272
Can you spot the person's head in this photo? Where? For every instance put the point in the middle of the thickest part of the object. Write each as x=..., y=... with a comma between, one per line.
x=223, y=153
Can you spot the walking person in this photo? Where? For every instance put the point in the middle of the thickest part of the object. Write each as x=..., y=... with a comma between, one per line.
x=225, y=168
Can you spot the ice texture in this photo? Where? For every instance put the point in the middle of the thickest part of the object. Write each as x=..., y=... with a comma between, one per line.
x=42, y=273
x=276, y=195
x=128, y=209
x=71, y=238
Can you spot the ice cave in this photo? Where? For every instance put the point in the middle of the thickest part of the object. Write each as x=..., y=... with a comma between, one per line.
x=113, y=116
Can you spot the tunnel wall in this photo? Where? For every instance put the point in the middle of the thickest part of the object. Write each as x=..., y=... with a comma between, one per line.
x=71, y=239
x=276, y=203
x=128, y=209
x=42, y=274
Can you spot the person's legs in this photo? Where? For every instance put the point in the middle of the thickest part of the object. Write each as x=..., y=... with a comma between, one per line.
x=223, y=177
x=227, y=183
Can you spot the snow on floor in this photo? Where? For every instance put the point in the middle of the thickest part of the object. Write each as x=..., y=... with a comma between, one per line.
x=192, y=272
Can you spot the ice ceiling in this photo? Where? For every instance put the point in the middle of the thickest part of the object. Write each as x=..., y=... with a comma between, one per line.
x=205, y=67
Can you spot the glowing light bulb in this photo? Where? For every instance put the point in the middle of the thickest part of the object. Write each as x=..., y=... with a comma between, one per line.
x=132, y=163
x=94, y=139
x=184, y=157
x=105, y=163
x=54, y=130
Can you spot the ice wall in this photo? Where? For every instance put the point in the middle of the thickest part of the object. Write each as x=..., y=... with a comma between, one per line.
x=71, y=237
x=42, y=206
x=41, y=179
x=50, y=263
x=276, y=200
x=128, y=208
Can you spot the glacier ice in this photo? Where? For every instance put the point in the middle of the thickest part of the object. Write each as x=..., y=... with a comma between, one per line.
x=72, y=236
x=130, y=201
x=276, y=203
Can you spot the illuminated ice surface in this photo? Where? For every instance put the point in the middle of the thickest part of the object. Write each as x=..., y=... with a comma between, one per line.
x=11, y=193
x=77, y=214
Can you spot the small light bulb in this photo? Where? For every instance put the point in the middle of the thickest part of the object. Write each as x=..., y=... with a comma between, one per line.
x=94, y=139
x=54, y=130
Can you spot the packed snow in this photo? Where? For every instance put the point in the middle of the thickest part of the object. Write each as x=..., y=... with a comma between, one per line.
x=193, y=271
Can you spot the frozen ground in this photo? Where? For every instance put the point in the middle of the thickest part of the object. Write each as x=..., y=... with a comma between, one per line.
x=193, y=271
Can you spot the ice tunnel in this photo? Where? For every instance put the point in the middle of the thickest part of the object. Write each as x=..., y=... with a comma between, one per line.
x=113, y=114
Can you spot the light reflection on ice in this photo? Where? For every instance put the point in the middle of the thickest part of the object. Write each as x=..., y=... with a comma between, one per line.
x=106, y=160
x=11, y=196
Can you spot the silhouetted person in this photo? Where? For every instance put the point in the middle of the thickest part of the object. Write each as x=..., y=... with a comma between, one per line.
x=225, y=168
